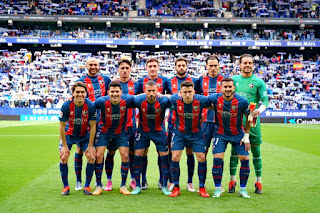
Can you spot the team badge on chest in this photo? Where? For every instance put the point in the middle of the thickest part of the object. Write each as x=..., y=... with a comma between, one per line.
x=251, y=85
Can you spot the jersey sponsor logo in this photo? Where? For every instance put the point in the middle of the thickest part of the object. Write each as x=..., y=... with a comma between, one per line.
x=189, y=115
x=251, y=85
x=78, y=121
x=84, y=113
x=234, y=108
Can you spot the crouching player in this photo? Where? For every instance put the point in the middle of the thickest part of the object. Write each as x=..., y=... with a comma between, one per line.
x=151, y=127
x=229, y=110
x=75, y=117
x=188, y=133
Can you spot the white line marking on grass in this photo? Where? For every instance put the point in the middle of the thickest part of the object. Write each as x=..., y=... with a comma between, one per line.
x=26, y=124
x=30, y=135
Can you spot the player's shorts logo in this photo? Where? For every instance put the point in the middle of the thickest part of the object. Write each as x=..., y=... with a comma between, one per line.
x=84, y=113
x=251, y=85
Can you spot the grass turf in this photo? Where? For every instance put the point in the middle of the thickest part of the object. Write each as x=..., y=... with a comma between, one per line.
x=30, y=178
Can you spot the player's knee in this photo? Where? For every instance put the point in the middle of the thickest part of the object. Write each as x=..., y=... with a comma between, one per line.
x=99, y=156
x=243, y=157
x=201, y=157
x=90, y=158
x=64, y=159
x=124, y=157
x=175, y=157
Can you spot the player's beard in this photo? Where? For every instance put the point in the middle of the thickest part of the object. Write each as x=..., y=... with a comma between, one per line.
x=181, y=72
x=93, y=72
x=151, y=98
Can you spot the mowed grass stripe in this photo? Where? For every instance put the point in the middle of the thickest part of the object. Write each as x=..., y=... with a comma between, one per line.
x=303, y=138
x=285, y=177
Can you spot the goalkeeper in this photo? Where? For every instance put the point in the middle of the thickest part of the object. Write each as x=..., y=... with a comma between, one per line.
x=254, y=90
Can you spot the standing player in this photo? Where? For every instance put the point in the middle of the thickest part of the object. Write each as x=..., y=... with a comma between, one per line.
x=97, y=86
x=151, y=127
x=75, y=117
x=128, y=87
x=187, y=133
x=152, y=67
x=113, y=133
x=254, y=90
x=208, y=85
x=229, y=110
x=181, y=67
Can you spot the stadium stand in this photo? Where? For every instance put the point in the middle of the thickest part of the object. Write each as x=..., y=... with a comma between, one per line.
x=44, y=78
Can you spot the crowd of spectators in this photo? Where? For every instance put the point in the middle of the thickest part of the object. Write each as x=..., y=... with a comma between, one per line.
x=180, y=8
x=43, y=79
x=270, y=8
x=221, y=33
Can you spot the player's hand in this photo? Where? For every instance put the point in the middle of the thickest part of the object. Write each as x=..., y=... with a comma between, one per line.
x=160, y=95
x=256, y=113
x=204, y=74
x=246, y=141
x=64, y=152
x=91, y=151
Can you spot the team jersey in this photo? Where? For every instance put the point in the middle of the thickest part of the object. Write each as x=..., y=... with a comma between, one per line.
x=174, y=87
x=97, y=86
x=151, y=116
x=189, y=115
x=162, y=84
x=78, y=118
x=113, y=117
x=253, y=89
x=208, y=86
x=130, y=88
x=229, y=116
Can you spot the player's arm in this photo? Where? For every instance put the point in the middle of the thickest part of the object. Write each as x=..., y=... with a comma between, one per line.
x=246, y=112
x=64, y=150
x=90, y=149
x=263, y=94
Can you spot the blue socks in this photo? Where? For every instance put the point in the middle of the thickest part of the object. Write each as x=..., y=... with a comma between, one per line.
x=144, y=168
x=202, y=173
x=217, y=171
x=244, y=173
x=124, y=172
x=64, y=174
x=98, y=170
x=131, y=159
x=137, y=164
x=109, y=165
x=89, y=173
x=78, y=166
x=175, y=172
x=190, y=163
x=165, y=170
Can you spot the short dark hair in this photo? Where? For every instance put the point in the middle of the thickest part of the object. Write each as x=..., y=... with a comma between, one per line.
x=114, y=84
x=124, y=61
x=212, y=57
x=180, y=59
x=151, y=83
x=246, y=55
x=152, y=60
x=187, y=84
x=79, y=84
x=227, y=79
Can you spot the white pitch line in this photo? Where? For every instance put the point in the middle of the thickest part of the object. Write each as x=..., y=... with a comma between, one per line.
x=29, y=135
x=26, y=124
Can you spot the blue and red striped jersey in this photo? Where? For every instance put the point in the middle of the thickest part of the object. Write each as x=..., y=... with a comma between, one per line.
x=130, y=88
x=189, y=115
x=162, y=84
x=78, y=118
x=97, y=86
x=114, y=117
x=229, y=116
x=174, y=87
x=208, y=86
x=151, y=116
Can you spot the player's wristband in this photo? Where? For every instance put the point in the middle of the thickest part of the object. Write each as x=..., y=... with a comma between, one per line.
x=262, y=108
x=246, y=138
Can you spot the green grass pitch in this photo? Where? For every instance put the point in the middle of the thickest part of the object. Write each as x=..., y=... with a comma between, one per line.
x=30, y=179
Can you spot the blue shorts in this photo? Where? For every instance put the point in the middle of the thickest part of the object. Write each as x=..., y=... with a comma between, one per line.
x=208, y=130
x=195, y=141
x=220, y=145
x=142, y=140
x=132, y=134
x=81, y=143
x=113, y=141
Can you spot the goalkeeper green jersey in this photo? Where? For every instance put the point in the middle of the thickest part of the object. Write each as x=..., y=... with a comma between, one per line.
x=253, y=89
